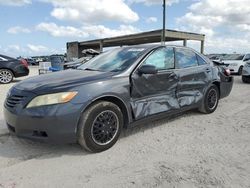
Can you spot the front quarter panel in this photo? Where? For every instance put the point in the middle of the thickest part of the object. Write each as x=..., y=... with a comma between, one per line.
x=118, y=87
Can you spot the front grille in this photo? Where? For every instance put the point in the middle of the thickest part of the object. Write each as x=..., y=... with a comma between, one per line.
x=14, y=100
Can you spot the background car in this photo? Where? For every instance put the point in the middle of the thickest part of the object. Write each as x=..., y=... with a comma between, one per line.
x=11, y=67
x=114, y=90
x=87, y=55
x=236, y=62
x=31, y=61
x=246, y=73
x=75, y=64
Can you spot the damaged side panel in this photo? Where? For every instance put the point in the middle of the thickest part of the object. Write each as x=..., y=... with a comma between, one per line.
x=153, y=105
x=152, y=94
x=192, y=85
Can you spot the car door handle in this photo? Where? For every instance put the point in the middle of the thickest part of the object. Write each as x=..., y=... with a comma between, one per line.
x=172, y=76
x=208, y=70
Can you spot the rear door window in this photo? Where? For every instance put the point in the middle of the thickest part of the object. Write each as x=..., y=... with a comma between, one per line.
x=185, y=58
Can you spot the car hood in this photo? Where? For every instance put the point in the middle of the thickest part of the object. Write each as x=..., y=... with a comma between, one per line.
x=61, y=80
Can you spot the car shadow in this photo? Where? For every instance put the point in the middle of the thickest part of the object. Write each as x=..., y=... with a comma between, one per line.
x=143, y=126
x=17, y=150
x=16, y=81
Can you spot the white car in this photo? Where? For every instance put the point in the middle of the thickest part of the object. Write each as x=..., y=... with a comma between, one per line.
x=236, y=62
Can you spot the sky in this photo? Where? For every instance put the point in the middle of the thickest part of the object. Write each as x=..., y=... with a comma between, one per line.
x=43, y=27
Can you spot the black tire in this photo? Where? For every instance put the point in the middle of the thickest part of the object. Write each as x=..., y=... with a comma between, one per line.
x=246, y=79
x=6, y=76
x=210, y=100
x=240, y=70
x=101, y=122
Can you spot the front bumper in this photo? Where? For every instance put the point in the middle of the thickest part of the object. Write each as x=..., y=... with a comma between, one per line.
x=233, y=68
x=226, y=85
x=55, y=124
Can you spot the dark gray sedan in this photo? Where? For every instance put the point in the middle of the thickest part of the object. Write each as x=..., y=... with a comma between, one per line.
x=114, y=90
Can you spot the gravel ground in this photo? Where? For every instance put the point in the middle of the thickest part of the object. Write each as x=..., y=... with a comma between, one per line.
x=191, y=150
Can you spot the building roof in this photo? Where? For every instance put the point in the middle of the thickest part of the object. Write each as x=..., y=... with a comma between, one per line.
x=143, y=38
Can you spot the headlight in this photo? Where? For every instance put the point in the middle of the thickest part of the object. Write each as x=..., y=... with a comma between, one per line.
x=56, y=98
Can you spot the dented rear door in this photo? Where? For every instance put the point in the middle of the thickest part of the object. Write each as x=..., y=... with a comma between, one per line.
x=193, y=77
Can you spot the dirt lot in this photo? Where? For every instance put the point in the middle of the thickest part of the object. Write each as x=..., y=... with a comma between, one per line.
x=191, y=150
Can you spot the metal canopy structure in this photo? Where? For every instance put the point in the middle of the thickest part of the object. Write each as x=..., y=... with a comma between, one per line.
x=74, y=49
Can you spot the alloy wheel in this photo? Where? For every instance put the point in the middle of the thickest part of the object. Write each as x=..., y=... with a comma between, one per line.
x=105, y=127
x=212, y=99
x=5, y=76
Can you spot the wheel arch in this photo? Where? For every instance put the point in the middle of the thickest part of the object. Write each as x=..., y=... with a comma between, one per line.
x=217, y=84
x=6, y=68
x=117, y=101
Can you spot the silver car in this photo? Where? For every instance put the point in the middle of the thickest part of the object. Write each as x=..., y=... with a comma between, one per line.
x=246, y=73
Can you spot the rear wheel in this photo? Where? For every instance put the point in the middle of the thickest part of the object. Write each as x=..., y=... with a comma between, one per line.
x=6, y=76
x=246, y=79
x=210, y=101
x=100, y=126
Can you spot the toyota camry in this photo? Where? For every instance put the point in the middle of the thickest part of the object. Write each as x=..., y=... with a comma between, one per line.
x=118, y=88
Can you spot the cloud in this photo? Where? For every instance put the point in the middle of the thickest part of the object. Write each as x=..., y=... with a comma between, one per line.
x=151, y=20
x=18, y=29
x=93, y=11
x=226, y=23
x=15, y=2
x=98, y=31
x=37, y=48
x=101, y=31
x=61, y=31
x=153, y=2
x=14, y=47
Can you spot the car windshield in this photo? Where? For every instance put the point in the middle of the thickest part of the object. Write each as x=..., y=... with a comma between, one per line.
x=5, y=58
x=233, y=57
x=114, y=60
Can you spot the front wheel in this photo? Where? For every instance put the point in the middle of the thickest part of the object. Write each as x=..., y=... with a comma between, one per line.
x=246, y=79
x=6, y=76
x=100, y=126
x=210, y=101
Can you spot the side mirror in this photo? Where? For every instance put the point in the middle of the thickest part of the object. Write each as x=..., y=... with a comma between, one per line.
x=147, y=69
x=247, y=59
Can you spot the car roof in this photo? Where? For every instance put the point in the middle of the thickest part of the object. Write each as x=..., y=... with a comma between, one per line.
x=153, y=46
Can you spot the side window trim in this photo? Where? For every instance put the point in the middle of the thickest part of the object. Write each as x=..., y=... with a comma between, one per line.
x=197, y=56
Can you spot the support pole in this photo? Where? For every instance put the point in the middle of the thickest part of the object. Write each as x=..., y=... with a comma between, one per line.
x=101, y=46
x=202, y=46
x=164, y=24
x=185, y=42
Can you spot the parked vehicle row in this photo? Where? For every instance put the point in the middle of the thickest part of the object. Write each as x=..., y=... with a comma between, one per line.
x=116, y=89
x=12, y=68
x=236, y=62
